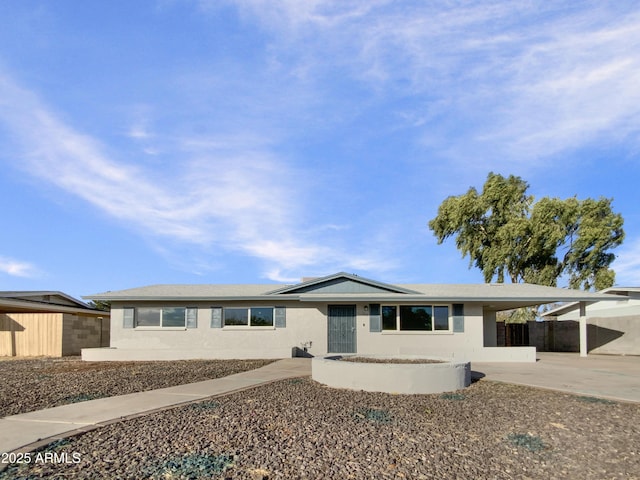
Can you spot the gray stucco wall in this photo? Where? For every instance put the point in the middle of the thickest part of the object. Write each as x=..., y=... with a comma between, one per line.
x=306, y=324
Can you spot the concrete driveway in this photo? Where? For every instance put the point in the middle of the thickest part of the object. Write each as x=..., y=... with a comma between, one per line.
x=613, y=377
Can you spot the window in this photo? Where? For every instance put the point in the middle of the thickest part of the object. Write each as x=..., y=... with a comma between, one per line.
x=173, y=317
x=262, y=317
x=424, y=318
x=148, y=317
x=236, y=316
x=389, y=317
x=248, y=316
x=176, y=317
x=440, y=317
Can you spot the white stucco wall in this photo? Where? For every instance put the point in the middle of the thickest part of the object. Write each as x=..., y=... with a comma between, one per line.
x=305, y=322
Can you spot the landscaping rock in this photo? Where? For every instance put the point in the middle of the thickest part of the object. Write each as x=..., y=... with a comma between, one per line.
x=302, y=430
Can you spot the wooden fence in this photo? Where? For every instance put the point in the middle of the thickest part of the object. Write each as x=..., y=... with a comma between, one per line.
x=31, y=334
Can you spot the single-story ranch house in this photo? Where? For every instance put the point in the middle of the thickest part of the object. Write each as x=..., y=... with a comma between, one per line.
x=340, y=313
x=49, y=323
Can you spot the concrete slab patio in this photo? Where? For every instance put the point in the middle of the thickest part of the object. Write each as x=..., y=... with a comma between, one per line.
x=612, y=377
x=28, y=430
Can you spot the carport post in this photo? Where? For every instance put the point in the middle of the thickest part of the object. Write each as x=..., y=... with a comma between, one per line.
x=583, y=329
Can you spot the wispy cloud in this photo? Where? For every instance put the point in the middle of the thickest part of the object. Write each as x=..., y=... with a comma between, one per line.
x=521, y=82
x=228, y=157
x=627, y=265
x=229, y=194
x=17, y=268
x=575, y=87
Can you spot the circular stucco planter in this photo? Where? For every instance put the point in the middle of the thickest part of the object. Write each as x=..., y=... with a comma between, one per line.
x=391, y=377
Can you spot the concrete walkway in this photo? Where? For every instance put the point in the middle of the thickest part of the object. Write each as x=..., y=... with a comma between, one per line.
x=613, y=377
x=28, y=431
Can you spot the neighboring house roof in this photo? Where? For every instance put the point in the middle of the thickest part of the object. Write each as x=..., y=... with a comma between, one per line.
x=344, y=287
x=617, y=291
x=44, y=301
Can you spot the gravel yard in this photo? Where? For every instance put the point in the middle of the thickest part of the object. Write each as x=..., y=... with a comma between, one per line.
x=300, y=429
x=34, y=384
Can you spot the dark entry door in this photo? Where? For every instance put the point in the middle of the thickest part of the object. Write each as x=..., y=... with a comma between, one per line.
x=342, y=329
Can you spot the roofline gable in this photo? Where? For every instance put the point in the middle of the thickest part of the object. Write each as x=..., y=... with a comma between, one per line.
x=304, y=287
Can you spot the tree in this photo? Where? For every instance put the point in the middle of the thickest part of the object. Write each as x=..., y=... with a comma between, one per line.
x=506, y=234
x=100, y=305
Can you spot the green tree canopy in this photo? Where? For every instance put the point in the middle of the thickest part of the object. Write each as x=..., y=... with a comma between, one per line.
x=507, y=234
x=100, y=305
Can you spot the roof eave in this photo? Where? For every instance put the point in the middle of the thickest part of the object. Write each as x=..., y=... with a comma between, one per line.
x=367, y=297
x=533, y=299
x=17, y=306
x=27, y=294
x=207, y=298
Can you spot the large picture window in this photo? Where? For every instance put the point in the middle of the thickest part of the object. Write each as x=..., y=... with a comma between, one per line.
x=424, y=318
x=248, y=316
x=168, y=317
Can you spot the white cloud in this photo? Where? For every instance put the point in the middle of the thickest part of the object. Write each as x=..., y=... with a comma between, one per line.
x=222, y=193
x=627, y=265
x=17, y=268
x=521, y=82
x=139, y=132
x=574, y=88
x=296, y=15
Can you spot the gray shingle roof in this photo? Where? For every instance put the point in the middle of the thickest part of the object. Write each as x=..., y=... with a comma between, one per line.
x=492, y=296
x=181, y=291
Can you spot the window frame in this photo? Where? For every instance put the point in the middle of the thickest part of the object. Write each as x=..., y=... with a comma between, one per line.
x=161, y=324
x=398, y=324
x=249, y=325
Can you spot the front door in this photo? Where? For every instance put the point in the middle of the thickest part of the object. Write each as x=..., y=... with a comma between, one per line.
x=342, y=329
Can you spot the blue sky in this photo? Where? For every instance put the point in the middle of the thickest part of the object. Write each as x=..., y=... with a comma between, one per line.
x=250, y=141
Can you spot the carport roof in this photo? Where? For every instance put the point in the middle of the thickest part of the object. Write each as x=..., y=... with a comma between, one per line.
x=616, y=292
